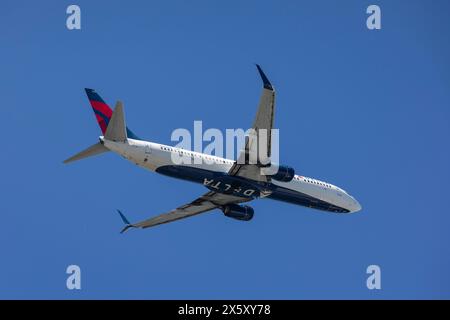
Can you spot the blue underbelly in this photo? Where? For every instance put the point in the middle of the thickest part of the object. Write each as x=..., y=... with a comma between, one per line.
x=219, y=182
x=298, y=198
x=223, y=183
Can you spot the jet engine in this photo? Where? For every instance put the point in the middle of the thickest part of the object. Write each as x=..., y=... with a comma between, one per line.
x=235, y=211
x=284, y=174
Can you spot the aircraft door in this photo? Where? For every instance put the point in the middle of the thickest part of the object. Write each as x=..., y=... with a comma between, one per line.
x=147, y=153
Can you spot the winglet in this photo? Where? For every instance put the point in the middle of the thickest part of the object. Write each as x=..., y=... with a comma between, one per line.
x=128, y=225
x=267, y=84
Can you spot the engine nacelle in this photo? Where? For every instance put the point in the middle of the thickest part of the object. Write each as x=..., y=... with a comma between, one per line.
x=235, y=211
x=284, y=174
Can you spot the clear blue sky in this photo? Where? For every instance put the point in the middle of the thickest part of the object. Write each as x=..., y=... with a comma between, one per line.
x=366, y=110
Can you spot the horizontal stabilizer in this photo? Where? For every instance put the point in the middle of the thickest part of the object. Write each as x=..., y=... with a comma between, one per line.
x=93, y=150
x=117, y=130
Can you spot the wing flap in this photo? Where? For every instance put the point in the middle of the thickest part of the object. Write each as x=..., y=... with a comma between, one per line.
x=177, y=214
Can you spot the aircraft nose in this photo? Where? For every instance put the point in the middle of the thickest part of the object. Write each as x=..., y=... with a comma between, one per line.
x=355, y=206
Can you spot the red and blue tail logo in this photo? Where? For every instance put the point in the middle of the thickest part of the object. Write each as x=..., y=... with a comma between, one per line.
x=103, y=112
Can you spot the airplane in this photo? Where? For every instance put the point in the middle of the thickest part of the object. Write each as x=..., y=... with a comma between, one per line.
x=230, y=183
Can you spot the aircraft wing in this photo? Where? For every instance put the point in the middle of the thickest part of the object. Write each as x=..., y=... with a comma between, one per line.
x=207, y=202
x=264, y=120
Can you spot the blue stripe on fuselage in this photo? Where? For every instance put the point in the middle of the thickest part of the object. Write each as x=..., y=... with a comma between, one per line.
x=278, y=193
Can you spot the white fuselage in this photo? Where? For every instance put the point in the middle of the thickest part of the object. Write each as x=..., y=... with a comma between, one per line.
x=301, y=190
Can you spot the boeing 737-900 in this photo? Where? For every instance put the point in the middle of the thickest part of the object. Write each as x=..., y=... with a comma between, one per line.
x=230, y=183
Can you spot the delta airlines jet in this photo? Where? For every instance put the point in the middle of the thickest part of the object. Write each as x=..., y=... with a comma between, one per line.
x=230, y=183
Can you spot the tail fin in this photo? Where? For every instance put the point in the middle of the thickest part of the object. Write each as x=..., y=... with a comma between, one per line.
x=116, y=131
x=93, y=150
x=103, y=112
